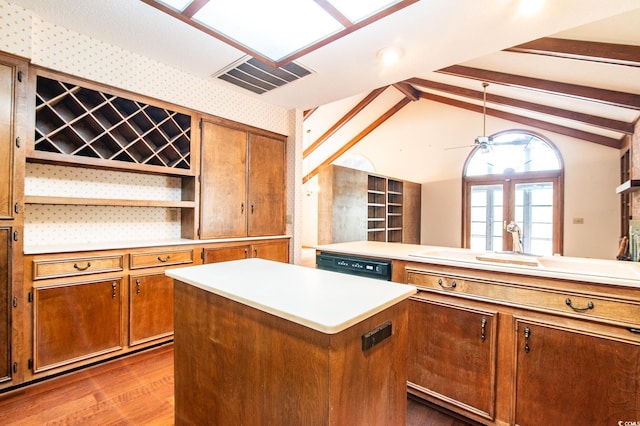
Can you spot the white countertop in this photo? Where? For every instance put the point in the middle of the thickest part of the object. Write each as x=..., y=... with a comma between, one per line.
x=123, y=245
x=599, y=271
x=325, y=301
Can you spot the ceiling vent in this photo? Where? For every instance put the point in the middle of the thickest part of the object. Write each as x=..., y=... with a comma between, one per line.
x=258, y=77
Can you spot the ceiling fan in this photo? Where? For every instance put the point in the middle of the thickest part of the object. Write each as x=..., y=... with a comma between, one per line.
x=482, y=142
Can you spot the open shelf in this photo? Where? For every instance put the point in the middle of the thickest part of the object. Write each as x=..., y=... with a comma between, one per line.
x=86, y=126
x=73, y=201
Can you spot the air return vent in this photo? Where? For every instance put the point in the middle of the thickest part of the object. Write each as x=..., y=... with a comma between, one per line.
x=258, y=77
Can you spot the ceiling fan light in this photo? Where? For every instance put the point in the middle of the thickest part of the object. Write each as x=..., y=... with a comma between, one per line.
x=389, y=55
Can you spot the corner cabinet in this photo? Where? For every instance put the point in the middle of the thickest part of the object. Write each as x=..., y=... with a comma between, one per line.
x=505, y=348
x=242, y=189
x=354, y=205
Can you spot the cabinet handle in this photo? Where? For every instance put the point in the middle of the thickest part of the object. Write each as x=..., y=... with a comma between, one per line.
x=161, y=259
x=113, y=287
x=634, y=330
x=79, y=268
x=251, y=208
x=242, y=208
x=137, y=285
x=570, y=304
x=255, y=252
x=246, y=253
x=527, y=333
x=441, y=284
x=483, y=325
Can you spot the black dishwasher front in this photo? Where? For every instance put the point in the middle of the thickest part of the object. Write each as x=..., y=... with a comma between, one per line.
x=361, y=266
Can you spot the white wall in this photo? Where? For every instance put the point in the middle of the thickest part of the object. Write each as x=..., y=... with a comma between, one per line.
x=415, y=145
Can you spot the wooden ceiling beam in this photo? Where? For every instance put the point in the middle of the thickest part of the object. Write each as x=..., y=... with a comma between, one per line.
x=370, y=128
x=344, y=120
x=307, y=113
x=608, y=53
x=608, y=97
x=408, y=90
x=556, y=128
x=592, y=120
x=337, y=15
x=194, y=7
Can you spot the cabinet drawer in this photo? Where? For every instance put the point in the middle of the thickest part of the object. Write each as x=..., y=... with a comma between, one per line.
x=558, y=301
x=55, y=268
x=160, y=258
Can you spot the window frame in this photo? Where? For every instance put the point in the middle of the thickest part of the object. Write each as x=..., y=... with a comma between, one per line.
x=509, y=180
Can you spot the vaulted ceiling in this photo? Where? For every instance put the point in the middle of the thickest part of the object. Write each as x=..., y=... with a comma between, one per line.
x=571, y=67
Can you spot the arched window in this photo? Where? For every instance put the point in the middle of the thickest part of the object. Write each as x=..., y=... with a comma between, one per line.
x=516, y=177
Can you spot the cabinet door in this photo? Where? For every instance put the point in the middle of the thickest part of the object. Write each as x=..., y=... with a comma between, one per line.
x=452, y=355
x=224, y=254
x=266, y=186
x=571, y=376
x=150, y=307
x=6, y=140
x=76, y=321
x=223, y=206
x=275, y=250
x=5, y=300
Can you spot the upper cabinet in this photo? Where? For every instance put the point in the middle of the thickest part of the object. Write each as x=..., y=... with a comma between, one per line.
x=242, y=181
x=80, y=123
x=7, y=138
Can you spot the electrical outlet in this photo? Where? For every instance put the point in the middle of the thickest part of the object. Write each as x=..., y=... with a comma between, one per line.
x=578, y=220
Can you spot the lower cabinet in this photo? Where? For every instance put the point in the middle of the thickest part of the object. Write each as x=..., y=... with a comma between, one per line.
x=567, y=374
x=150, y=307
x=452, y=354
x=277, y=250
x=76, y=321
x=504, y=349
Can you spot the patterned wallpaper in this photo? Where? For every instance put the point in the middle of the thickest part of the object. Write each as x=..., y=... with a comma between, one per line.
x=52, y=46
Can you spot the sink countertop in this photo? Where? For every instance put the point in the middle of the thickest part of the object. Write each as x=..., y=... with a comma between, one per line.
x=599, y=271
x=325, y=301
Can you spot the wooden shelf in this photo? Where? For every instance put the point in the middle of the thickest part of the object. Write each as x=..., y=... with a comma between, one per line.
x=76, y=123
x=631, y=185
x=73, y=201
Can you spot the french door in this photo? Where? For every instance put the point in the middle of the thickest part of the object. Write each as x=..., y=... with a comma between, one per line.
x=532, y=201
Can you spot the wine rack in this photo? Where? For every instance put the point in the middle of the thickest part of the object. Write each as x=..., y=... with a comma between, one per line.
x=89, y=126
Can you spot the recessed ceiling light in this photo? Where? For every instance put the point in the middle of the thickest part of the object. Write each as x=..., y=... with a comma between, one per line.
x=529, y=7
x=389, y=55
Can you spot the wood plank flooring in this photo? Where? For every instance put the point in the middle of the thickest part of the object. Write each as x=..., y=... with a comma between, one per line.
x=135, y=390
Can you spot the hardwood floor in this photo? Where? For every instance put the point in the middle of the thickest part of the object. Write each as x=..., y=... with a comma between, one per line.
x=135, y=390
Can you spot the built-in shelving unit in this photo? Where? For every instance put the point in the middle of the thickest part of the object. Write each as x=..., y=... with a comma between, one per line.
x=376, y=208
x=394, y=211
x=92, y=127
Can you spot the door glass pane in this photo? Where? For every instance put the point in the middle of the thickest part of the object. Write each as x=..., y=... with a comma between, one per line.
x=486, y=217
x=534, y=216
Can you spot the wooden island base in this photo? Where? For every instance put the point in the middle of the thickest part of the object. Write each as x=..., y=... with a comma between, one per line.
x=235, y=365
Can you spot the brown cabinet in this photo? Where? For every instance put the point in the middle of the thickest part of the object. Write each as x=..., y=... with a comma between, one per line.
x=354, y=205
x=242, y=181
x=76, y=321
x=277, y=250
x=150, y=307
x=452, y=354
x=569, y=374
x=555, y=351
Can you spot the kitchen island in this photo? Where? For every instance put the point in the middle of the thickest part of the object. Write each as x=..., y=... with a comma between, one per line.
x=261, y=342
x=507, y=338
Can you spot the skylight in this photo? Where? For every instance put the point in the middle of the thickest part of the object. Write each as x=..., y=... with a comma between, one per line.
x=279, y=31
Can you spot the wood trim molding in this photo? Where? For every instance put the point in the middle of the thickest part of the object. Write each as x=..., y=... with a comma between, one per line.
x=556, y=128
x=370, y=128
x=608, y=53
x=408, y=90
x=331, y=10
x=592, y=120
x=608, y=97
x=344, y=120
x=307, y=113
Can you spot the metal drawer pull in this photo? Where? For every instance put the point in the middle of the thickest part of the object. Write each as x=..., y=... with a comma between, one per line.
x=570, y=304
x=137, y=285
x=527, y=334
x=441, y=284
x=113, y=287
x=75, y=265
x=164, y=259
x=483, y=324
x=634, y=330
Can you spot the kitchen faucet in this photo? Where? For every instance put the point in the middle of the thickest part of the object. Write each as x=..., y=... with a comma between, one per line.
x=516, y=235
